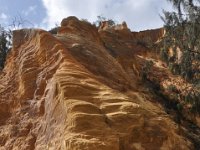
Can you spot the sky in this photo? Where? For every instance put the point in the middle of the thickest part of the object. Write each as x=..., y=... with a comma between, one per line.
x=138, y=14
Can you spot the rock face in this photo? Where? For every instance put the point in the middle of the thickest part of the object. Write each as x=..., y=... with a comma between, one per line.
x=79, y=90
x=153, y=35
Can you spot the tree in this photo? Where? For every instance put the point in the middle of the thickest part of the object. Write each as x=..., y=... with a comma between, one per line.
x=3, y=46
x=183, y=31
x=146, y=69
x=183, y=35
x=55, y=29
x=6, y=36
x=101, y=19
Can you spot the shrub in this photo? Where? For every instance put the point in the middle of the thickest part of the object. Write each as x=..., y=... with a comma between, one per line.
x=146, y=70
x=146, y=42
x=100, y=19
x=54, y=30
x=175, y=68
x=183, y=32
x=193, y=98
x=164, y=55
x=3, y=46
x=172, y=88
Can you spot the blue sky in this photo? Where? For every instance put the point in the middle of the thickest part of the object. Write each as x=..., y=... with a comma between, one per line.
x=139, y=14
x=31, y=10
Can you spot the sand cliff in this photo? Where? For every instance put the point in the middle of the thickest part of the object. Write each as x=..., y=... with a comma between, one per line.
x=80, y=90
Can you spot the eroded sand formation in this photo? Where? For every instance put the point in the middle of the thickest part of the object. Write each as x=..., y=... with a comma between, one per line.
x=79, y=90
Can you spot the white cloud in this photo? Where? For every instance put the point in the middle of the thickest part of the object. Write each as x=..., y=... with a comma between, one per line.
x=31, y=9
x=139, y=14
x=4, y=19
x=3, y=16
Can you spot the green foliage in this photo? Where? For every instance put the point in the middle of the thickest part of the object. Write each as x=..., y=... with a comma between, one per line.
x=146, y=70
x=3, y=46
x=183, y=31
x=179, y=107
x=175, y=68
x=85, y=20
x=146, y=42
x=174, y=93
x=193, y=98
x=172, y=88
x=164, y=54
x=54, y=30
x=100, y=19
